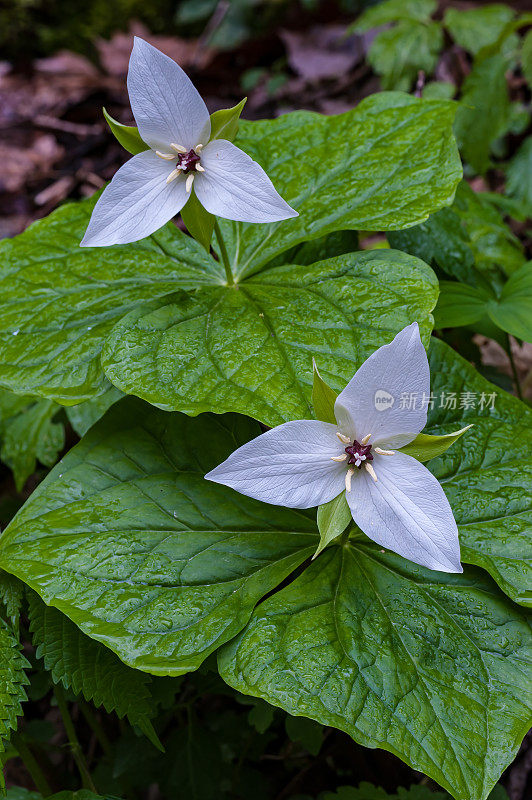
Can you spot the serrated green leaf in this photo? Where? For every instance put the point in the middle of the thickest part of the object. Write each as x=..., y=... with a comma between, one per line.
x=395, y=655
x=426, y=446
x=486, y=474
x=224, y=123
x=475, y=28
x=11, y=595
x=323, y=397
x=484, y=111
x=332, y=518
x=127, y=135
x=469, y=241
x=512, y=311
x=90, y=669
x=146, y=556
x=14, y=678
x=28, y=434
x=249, y=348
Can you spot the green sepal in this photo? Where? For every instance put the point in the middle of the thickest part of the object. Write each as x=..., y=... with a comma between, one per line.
x=199, y=222
x=424, y=447
x=127, y=135
x=332, y=518
x=224, y=123
x=323, y=397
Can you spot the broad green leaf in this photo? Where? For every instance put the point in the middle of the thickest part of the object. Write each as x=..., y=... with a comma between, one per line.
x=14, y=678
x=519, y=174
x=127, y=135
x=199, y=222
x=127, y=538
x=332, y=518
x=376, y=162
x=459, y=304
x=83, y=416
x=512, y=311
x=28, y=434
x=224, y=123
x=323, y=397
x=475, y=28
x=426, y=446
x=484, y=111
x=88, y=668
x=469, y=241
x=249, y=348
x=338, y=243
x=439, y=90
x=397, y=54
x=487, y=473
x=396, y=656
x=393, y=11
x=60, y=300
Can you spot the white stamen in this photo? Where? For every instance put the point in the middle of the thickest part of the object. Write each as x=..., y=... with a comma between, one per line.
x=166, y=156
x=370, y=470
x=339, y=458
x=366, y=439
x=343, y=438
x=348, y=476
x=198, y=148
x=173, y=175
x=384, y=452
x=358, y=461
x=178, y=148
x=199, y=168
x=190, y=181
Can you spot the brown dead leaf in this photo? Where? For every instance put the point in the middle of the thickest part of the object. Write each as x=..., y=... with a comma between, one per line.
x=322, y=52
x=114, y=53
x=20, y=164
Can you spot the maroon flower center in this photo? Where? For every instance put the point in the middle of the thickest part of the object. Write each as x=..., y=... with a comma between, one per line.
x=358, y=454
x=187, y=161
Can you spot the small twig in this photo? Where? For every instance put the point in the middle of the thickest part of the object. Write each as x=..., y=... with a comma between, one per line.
x=420, y=83
x=53, y=124
x=514, y=368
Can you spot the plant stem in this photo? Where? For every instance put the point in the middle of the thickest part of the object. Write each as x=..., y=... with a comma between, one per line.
x=95, y=727
x=29, y=761
x=75, y=746
x=514, y=368
x=223, y=253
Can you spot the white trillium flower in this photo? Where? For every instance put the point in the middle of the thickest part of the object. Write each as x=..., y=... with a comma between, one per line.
x=393, y=498
x=154, y=185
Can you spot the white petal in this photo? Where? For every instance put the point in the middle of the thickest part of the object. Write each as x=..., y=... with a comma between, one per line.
x=406, y=511
x=137, y=202
x=287, y=466
x=234, y=186
x=397, y=372
x=166, y=106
